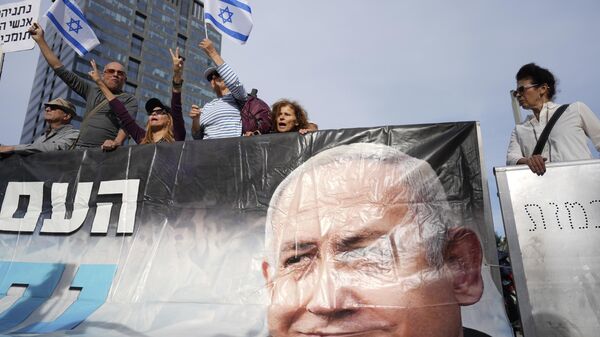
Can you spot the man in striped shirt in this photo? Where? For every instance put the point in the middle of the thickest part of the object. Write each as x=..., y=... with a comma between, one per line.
x=219, y=118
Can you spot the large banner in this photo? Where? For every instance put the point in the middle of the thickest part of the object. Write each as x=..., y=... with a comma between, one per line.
x=552, y=225
x=364, y=232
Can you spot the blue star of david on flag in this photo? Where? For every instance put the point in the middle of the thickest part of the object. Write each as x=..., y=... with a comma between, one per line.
x=225, y=15
x=220, y=14
x=77, y=26
x=72, y=25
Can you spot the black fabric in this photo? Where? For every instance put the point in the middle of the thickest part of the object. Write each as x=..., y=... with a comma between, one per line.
x=240, y=174
x=473, y=333
x=216, y=192
x=539, y=146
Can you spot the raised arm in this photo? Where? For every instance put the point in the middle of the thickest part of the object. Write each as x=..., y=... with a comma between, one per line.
x=176, y=106
x=227, y=74
x=127, y=122
x=80, y=86
x=95, y=75
x=37, y=34
x=211, y=52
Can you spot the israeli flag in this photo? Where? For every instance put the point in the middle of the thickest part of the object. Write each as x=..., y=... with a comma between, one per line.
x=232, y=17
x=73, y=26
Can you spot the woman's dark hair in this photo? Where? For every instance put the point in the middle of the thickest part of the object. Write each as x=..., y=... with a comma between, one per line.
x=301, y=116
x=539, y=76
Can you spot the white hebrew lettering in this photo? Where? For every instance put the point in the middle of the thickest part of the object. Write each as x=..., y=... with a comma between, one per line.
x=57, y=223
x=129, y=191
x=14, y=190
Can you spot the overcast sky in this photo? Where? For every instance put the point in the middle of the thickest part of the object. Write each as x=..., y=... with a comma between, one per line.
x=391, y=62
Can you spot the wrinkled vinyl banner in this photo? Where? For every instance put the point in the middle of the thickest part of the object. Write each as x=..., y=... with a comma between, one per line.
x=329, y=234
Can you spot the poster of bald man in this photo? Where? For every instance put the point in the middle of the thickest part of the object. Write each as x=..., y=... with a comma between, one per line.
x=364, y=244
x=363, y=232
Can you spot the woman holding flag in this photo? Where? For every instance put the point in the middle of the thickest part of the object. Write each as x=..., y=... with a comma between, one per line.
x=164, y=124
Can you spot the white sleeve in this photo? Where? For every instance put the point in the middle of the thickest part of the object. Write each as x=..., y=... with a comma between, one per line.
x=590, y=123
x=514, y=152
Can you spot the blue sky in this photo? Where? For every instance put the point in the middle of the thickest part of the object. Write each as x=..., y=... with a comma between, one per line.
x=389, y=62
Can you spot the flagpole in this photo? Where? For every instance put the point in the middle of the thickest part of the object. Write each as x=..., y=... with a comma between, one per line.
x=206, y=7
x=1, y=59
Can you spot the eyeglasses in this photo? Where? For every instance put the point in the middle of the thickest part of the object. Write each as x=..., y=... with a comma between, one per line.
x=119, y=73
x=54, y=107
x=159, y=111
x=520, y=90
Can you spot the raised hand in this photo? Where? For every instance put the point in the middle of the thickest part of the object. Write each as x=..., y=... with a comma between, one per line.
x=207, y=46
x=177, y=61
x=211, y=52
x=94, y=74
x=36, y=32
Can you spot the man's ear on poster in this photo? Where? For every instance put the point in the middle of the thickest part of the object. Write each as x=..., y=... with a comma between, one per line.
x=463, y=258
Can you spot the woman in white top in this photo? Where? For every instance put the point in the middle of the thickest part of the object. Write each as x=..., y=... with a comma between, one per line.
x=536, y=87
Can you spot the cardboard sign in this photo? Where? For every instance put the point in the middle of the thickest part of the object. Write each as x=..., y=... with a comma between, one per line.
x=15, y=20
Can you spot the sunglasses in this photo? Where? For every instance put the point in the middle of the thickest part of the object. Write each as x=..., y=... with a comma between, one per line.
x=520, y=90
x=159, y=111
x=53, y=107
x=119, y=73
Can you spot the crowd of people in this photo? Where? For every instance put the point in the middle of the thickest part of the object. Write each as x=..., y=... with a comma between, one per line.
x=107, y=120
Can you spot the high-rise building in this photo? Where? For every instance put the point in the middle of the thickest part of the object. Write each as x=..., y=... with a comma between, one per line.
x=138, y=34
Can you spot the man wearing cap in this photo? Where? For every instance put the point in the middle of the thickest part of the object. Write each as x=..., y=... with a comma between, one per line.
x=100, y=126
x=219, y=118
x=60, y=134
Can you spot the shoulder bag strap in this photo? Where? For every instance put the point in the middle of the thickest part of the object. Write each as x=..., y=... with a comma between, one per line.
x=86, y=119
x=539, y=146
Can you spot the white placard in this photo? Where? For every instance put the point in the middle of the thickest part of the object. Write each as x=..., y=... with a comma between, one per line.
x=553, y=229
x=15, y=20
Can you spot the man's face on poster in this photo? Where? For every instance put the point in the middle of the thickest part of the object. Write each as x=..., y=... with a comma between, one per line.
x=350, y=261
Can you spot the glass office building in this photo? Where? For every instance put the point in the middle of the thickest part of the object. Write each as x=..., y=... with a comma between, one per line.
x=136, y=33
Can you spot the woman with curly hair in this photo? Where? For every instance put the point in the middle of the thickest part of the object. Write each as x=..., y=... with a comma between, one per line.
x=289, y=116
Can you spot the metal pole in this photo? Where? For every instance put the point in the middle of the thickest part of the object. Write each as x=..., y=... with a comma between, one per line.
x=1, y=59
x=516, y=108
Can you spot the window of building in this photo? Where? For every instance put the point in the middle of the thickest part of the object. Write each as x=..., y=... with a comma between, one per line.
x=142, y=5
x=130, y=88
x=181, y=43
x=197, y=10
x=136, y=45
x=140, y=21
x=82, y=66
x=185, y=8
x=133, y=69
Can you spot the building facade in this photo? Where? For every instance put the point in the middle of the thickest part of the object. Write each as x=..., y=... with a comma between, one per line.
x=138, y=34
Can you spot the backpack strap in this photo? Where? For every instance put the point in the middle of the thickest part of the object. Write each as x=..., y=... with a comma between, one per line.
x=539, y=146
